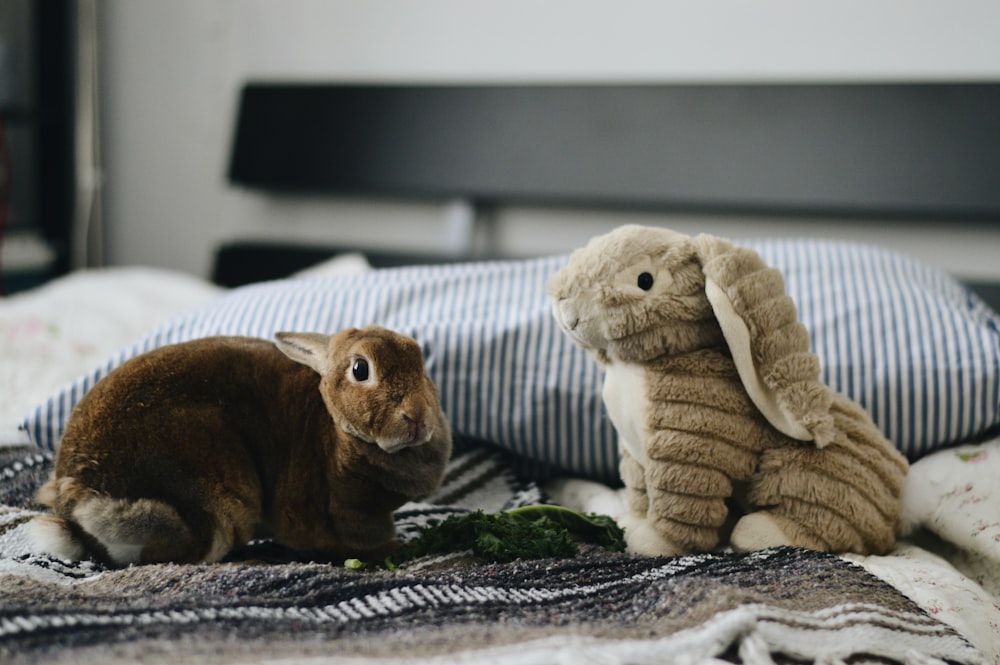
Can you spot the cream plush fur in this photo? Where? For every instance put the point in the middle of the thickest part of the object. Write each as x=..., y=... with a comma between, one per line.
x=717, y=400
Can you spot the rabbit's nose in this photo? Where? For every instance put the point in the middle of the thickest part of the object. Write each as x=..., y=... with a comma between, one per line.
x=417, y=428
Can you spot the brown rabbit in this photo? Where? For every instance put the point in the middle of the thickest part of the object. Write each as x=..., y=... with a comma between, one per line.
x=185, y=452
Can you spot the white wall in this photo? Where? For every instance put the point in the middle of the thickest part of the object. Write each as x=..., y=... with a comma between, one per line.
x=170, y=73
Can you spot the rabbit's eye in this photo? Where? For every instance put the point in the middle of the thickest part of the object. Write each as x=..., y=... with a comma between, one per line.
x=360, y=369
x=645, y=281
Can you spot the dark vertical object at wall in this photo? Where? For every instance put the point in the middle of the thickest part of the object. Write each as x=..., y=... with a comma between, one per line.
x=56, y=43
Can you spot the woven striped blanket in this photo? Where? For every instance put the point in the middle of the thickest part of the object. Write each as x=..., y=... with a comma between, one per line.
x=266, y=605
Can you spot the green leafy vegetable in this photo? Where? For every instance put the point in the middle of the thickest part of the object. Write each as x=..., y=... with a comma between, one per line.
x=588, y=528
x=532, y=532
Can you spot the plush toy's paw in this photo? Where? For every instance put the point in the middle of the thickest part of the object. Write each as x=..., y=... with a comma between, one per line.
x=922, y=491
x=643, y=539
x=587, y=496
x=757, y=531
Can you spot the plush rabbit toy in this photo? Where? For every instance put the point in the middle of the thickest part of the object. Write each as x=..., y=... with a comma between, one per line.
x=185, y=452
x=716, y=399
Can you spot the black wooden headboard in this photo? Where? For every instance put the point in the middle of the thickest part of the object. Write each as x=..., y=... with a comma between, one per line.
x=873, y=150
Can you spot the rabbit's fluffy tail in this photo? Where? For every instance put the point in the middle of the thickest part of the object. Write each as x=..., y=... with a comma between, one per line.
x=54, y=535
x=118, y=531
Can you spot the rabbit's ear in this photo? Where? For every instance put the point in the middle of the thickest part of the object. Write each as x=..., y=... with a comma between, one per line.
x=770, y=347
x=310, y=349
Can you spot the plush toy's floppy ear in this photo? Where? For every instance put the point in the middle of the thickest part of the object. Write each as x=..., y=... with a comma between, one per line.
x=769, y=345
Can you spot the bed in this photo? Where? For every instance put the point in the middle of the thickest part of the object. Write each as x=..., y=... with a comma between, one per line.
x=530, y=428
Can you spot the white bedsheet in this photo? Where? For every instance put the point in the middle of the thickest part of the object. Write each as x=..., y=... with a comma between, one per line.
x=950, y=561
x=55, y=333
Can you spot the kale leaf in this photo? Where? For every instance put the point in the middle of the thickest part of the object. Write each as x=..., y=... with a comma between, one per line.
x=531, y=532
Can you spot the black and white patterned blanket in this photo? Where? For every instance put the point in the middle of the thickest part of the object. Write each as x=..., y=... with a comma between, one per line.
x=266, y=605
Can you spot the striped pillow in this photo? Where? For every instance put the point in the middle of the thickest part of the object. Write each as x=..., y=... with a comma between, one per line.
x=906, y=341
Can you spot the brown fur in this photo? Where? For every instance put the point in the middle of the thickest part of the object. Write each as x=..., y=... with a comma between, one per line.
x=814, y=469
x=183, y=453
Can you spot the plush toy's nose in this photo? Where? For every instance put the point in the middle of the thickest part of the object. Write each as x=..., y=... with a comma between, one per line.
x=566, y=313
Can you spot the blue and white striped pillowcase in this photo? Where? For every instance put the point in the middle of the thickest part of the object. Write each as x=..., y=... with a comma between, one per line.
x=906, y=341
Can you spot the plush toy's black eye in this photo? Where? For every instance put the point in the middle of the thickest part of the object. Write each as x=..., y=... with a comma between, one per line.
x=645, y=281
x=360, y=369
